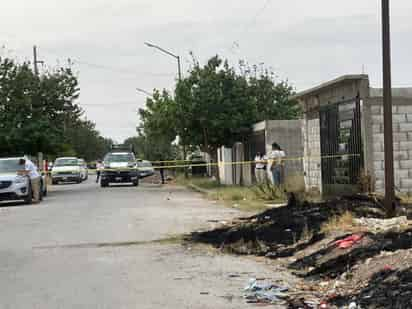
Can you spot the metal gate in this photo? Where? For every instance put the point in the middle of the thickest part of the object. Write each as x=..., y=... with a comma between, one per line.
x=341, y=147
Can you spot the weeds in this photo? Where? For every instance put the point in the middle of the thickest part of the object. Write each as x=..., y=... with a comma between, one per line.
x=307, y=234
x=344, y=222
x=268, y=192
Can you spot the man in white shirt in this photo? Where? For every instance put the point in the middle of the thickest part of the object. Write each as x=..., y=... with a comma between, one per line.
x=260, y=168
x=275, y=164
x=31, y=170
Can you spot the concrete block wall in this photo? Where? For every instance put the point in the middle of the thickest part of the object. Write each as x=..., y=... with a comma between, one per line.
x=288, y=134
x=312, y=160
x=402, y=143
x=224, y=156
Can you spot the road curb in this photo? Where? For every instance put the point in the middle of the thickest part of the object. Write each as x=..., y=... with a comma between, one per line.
x=198, y=189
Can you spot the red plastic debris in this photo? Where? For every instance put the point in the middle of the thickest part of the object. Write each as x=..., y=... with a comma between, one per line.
x=323, y=305
x=348, y=241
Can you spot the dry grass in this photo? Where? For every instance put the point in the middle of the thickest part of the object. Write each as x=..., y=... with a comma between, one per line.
x=232, y=193
x=307, y=234
x=344, y=222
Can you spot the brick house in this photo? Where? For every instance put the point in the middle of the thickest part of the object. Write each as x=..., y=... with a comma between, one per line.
x=343, y=135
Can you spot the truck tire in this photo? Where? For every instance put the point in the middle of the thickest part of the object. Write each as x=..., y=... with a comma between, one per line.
x=104, y=184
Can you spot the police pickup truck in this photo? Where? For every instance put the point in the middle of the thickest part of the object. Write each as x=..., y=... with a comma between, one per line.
x=119, y=167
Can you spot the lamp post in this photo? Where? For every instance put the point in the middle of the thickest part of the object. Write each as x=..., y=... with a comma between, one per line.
x=179, y=70
x=145, y=92
x=387, y=110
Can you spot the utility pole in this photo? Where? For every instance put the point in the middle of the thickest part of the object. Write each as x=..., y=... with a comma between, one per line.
x=35, y=61
x=387, y=110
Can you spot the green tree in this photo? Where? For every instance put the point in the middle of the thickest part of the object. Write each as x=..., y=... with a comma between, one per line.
x=40, y=114
x=213, y=100
x=158, y=126
x=273, y=99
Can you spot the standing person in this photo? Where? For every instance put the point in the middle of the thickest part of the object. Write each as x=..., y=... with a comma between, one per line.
x=99, y=167
x=260, y=167
x=29, y=169
x=275, y=166
x=162, y=172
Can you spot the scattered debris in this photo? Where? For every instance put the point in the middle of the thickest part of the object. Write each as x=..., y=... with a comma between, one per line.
x=264, y=292
x=348, y=241
x=368, y=265
x=381, y=225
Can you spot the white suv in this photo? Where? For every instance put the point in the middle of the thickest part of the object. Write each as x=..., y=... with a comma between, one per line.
x=12, y=186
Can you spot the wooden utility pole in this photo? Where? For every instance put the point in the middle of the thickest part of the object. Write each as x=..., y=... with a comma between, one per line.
x=387, y=110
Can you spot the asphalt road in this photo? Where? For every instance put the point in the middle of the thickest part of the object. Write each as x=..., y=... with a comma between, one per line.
x=88, y=247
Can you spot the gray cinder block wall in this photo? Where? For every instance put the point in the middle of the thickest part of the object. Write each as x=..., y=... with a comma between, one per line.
x=288, y=134
x=402, y=141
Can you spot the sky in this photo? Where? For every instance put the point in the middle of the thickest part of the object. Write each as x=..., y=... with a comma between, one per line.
x=305, y=42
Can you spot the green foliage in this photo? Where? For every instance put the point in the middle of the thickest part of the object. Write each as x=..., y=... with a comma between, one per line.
x=214, y=106
x=273, y=100
x=214, y=103
x=158, y=129
x=39, y=114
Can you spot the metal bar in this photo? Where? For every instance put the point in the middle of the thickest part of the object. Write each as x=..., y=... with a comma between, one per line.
x=387, y=109
x=161, y=49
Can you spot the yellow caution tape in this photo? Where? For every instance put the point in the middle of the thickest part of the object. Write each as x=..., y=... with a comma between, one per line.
x=253, y=162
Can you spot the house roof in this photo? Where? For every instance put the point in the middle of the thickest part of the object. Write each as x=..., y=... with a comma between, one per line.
x=331, y=83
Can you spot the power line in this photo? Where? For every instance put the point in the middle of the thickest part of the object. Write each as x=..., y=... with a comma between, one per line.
x=235, y=44
x=74, y=61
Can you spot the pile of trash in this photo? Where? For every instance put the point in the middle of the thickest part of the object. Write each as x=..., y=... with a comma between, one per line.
x=375, y=225
x=266, y=293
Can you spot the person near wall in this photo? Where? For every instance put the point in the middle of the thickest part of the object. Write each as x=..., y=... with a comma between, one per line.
x=276, y=164
x=29, y=169
x=260, y=168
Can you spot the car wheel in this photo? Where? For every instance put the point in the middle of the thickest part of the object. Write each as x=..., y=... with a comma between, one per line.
x=29, y=198
x=54, y=182
x=135, y=183
x=104, y=184
x=79, y=180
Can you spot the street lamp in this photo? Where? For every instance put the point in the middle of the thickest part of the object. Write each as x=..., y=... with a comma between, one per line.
x=179, y=70
x=145, y=92
x=387, y=109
